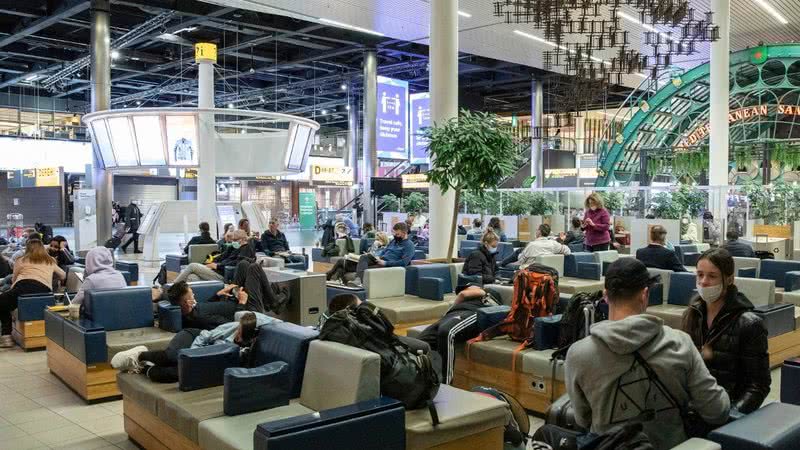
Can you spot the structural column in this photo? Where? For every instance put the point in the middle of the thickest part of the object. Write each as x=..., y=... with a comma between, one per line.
x=351, y=150
x=206, y=56
x=537, y=116
x=370, y=156
x=719, y=101
x=444, y=106
x=101, y=99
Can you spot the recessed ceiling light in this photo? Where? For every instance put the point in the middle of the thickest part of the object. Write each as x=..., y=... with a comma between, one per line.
x=464, y=14
x=351, y=27
x=347, y=107
x=114, y=54
x=772, y=11
x=324, y=111
x=230, y=105
x=343, y=87
x=138, y=103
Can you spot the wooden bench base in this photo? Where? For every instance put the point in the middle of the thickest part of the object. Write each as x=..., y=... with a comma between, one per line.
x=320, y=267
x=29, y=335
x=150, y=432
x=94, y=382
x=491, y=439
x=783, y=347
x=523, y=386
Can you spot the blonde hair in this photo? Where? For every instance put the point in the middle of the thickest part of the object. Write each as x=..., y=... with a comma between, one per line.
x=594, y=197
x=382, y=237
x=35, y=253
x=240, y=235
x=489, y=237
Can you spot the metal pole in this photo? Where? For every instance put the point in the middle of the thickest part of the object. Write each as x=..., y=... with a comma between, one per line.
x=351, y=150
x=101, y=99
x=370, y=156
x=206, y=173
x=719, y=101
x=537, y=117
x=444, y=106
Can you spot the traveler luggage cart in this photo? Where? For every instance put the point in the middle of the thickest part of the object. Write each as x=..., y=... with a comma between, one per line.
x=14, y=224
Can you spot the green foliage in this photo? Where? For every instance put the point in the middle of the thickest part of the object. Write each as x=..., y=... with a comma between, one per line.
x=662, y=206
x=683, y=164
x=391, y=202
x=415, y=202
x=541, y=204
x=776, y=204
x=524, y=203
x=613, y=201
x=489, y=203
x=473, y=153
x=673, y=205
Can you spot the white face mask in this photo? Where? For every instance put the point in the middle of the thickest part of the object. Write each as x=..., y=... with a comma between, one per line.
x=710, y=294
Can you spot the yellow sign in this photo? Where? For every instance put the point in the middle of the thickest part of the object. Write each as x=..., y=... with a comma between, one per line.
x=47, y=177
x=205, y=51
x=415, y=181
x=332, y=175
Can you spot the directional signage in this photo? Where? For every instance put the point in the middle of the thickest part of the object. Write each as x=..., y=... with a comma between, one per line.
x=420, y=111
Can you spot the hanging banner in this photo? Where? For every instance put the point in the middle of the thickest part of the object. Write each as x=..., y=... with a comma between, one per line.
x=308, y=210
x=392, y=119
x=420, y=118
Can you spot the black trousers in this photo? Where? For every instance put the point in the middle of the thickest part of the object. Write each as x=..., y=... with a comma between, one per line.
x=558, y=438
x=598, y=247
x=342, y=267
x=10, y=299
x=365, y=262
x=165, y=362
x=458, y=326
x=262, y=295
x=135, y=238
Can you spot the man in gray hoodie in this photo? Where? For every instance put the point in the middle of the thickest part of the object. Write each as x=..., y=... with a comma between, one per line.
x=608, y=387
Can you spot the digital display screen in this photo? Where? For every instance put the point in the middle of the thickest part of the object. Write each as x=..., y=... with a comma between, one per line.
x=420, y=112
x=392, y=119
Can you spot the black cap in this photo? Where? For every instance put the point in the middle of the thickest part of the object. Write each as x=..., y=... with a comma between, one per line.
x=628, y=275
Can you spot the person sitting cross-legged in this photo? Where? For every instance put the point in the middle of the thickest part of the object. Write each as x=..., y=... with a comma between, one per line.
x=240, y=249
x=633, y=368
x=274, y=243
x=161, y=366
x=344, y=266
x=398, y=253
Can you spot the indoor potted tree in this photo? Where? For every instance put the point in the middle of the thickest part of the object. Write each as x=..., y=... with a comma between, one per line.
x=471, y=153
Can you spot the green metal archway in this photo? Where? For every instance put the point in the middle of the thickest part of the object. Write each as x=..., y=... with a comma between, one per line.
x=670, y=115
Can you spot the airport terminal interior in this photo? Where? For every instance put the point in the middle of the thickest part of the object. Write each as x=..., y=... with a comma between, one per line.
x=408, y=224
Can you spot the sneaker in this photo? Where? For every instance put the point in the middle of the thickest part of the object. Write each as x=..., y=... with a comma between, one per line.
x=128, y=361
x=356, y=283
x=6, y=341
x=137, y=252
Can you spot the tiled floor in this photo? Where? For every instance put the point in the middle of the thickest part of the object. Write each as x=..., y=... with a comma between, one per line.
x=38, y=411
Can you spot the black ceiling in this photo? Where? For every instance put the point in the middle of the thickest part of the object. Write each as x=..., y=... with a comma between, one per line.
x=265, y=61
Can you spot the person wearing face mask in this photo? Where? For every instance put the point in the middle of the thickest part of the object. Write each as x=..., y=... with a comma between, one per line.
x=596, y=222
x=689, y=229
x=274, y=243
x=731, y=338
x=241, y=248
x=483, y=260
x=398, y=253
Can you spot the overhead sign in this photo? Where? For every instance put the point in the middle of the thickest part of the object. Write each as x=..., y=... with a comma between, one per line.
x=415, y=181
x=14, y=179
x=205, y=51
x=392, y=119
x=701, y=132
x=332, y=175
x=420, y=111
x=29, y=178
x=48, y=177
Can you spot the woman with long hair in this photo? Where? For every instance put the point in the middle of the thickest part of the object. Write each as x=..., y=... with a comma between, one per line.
x=596, y=222
x=731, y=338
x=33, y=274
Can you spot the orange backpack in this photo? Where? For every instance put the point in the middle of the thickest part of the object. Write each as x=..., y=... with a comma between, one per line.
x=535, y=295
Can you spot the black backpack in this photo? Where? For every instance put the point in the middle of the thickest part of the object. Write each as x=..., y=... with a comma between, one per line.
x=161, y=277
x=573, y=321
x=405, y=376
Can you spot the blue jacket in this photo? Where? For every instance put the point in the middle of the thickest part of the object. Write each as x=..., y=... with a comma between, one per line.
x=351, y=226
x=398, y=254
x=226, y=332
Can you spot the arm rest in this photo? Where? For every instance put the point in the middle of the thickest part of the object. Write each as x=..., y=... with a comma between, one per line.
x=431, y=288
x=748, y=272
x=340, y=428
x=203, y=367
x=31, y=307
x=256, y=389
x=656, y=295
x=491, y=315
x=169, y=317
x=589, y=270
x=690, y=259
x=791, y=281
x=86, y=341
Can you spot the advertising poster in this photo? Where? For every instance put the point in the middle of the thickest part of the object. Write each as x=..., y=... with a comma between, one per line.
x=308, y=210
x=48, y=177
x=182, y=140
x=14, y=179
x=392, y=120
x=420, y=110
x=29, y=178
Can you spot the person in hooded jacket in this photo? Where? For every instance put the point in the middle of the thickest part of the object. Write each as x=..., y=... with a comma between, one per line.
x=730, y=336
x=482, y=261
x=99, y=274
x=204, y=238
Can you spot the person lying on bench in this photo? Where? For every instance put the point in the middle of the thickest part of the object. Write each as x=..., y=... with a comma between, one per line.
x=274, y=243
x=241, y=249
x=161, y=366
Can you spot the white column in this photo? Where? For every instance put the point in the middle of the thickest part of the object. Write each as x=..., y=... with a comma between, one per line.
x=444, y=105
x=100, y=64
x=718, y=139
x=369, y=142
x=206, y=180
x=537, y=116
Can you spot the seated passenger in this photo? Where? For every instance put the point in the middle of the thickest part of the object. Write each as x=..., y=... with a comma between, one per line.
x=573, y=236
x=28, y=234
x=657, y=255
x=734, y=346
x=411, y=221
x=398, y=253
x=712, y=232
x=483, y=260
x=99, y=274
x=346, y=268
x=616, y=374
x=240, y=249
x=689, y=230
x=369, y=231
x=33, y=274
x=206, y=315
x=494, y=225
x=225, y=239
x=736, y=247
x=512, y=258
x=161, y=366
x=477, y=228
x=542, y=245
x=274, y=243
x=59, y=249
x=352, y=228
x=259, y=294
x=204, y=238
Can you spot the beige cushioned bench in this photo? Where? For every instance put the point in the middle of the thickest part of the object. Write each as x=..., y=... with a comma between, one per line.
x=153, y=338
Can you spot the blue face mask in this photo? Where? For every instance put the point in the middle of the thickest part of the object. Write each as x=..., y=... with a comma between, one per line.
x=492, y=250
x=235, y=244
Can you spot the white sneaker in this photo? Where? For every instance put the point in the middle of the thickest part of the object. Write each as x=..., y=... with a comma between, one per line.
x=128, y=361
x=6, y=341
